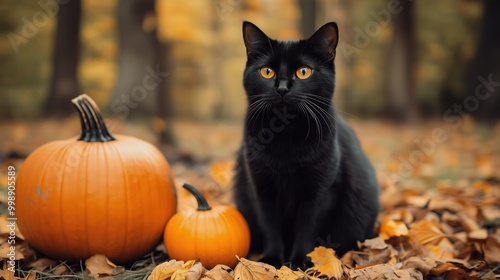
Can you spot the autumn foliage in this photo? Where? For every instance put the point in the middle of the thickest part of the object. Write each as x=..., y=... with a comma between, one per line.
x=432, y=226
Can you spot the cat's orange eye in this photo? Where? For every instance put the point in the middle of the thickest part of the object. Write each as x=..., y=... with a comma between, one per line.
x=267, y=72
x=303, y=72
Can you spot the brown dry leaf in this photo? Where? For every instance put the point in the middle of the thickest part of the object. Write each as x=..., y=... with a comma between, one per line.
x=191, y=270
x=390, y=228
x=219, y=272
x=375, y=243
x=5, y=249
x=250, y=270
x=374, y=251
x=42, y=264
x=326, y=263
x=426, y=232
x=491, y=250
x=31, y=276
x=384, y=271
x=423, y=265
x=165, y=270
x=100, y=266
x=59, y=270
x=459, y=274
x=442, y=268
x=468, y=223
x=6, y=273
x=445, y=204
x=4, y=227
x=477, y=235
x=490, y=213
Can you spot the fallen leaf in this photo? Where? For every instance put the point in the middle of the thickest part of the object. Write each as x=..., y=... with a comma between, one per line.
x=459, y=274
x=477, y=235
x=375, y=251
x=491, y=250
x=423, y=265
x=325, y=262
x=285, y=273
x=250, y=270
x=6, y=273
x=375, y=243
x=384, y=272
x=31, y=276
x=5, y=250
x=390, y=228
x=165, y=270
x=219, y=272
x=59, y=270
x=42, y=264
x=191, y=270
x=100, y=266
x=442, y=268
x=490, y=213
x=426, y=232
x=468, y=223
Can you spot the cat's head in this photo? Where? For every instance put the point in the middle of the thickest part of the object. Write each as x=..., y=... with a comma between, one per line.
x=290, y=73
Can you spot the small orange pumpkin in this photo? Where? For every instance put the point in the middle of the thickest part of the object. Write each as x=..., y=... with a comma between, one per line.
x=212, y=235
x=98, y=194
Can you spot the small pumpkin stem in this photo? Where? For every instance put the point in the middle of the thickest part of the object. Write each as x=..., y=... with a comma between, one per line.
x=202, y=202
x=93, y=126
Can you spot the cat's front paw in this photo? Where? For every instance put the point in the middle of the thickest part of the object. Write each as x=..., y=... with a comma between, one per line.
x=275, y=261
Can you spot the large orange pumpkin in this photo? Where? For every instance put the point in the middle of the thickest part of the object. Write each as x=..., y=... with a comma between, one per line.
x=212, y=235
x=98, y=193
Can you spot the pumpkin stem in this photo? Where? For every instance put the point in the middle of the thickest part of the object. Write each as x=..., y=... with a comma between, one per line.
x=202, y=202
x=93, y=126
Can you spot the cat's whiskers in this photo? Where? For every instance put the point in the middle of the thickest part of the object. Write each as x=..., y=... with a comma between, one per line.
x=301, y=108
x=316, y=120
x=254, y=110
x=327, y=117
x=328, y=102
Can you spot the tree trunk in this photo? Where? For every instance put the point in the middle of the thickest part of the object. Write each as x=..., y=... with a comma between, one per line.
x=136, y=93
x=64, y=85
x=485, y=70
x=401, y=102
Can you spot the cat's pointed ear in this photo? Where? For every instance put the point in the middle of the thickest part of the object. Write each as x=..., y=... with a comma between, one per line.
x=255, y=39
x=325, y=39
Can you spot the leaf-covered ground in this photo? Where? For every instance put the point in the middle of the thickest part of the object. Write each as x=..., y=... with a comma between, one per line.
x=440, y=195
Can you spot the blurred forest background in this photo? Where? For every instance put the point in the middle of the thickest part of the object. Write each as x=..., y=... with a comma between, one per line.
x=166, y=64
x=395, y=58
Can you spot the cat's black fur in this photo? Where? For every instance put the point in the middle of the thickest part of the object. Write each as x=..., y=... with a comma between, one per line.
x=301, y=179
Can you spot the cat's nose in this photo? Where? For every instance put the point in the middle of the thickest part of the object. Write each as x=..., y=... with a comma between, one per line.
x=282, y=88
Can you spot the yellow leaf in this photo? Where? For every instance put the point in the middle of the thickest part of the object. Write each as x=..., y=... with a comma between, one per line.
x=426, y=232
x=250, y=270
x=326, y=263
x=165, y=270
x=100, y=266
x=191, y=270
x=390, y=228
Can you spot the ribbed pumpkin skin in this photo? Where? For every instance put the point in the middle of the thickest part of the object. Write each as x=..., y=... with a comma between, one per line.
x=76, y=199
x=214, y=236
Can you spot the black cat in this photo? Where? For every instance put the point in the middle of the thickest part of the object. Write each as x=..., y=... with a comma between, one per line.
x=301, y=179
